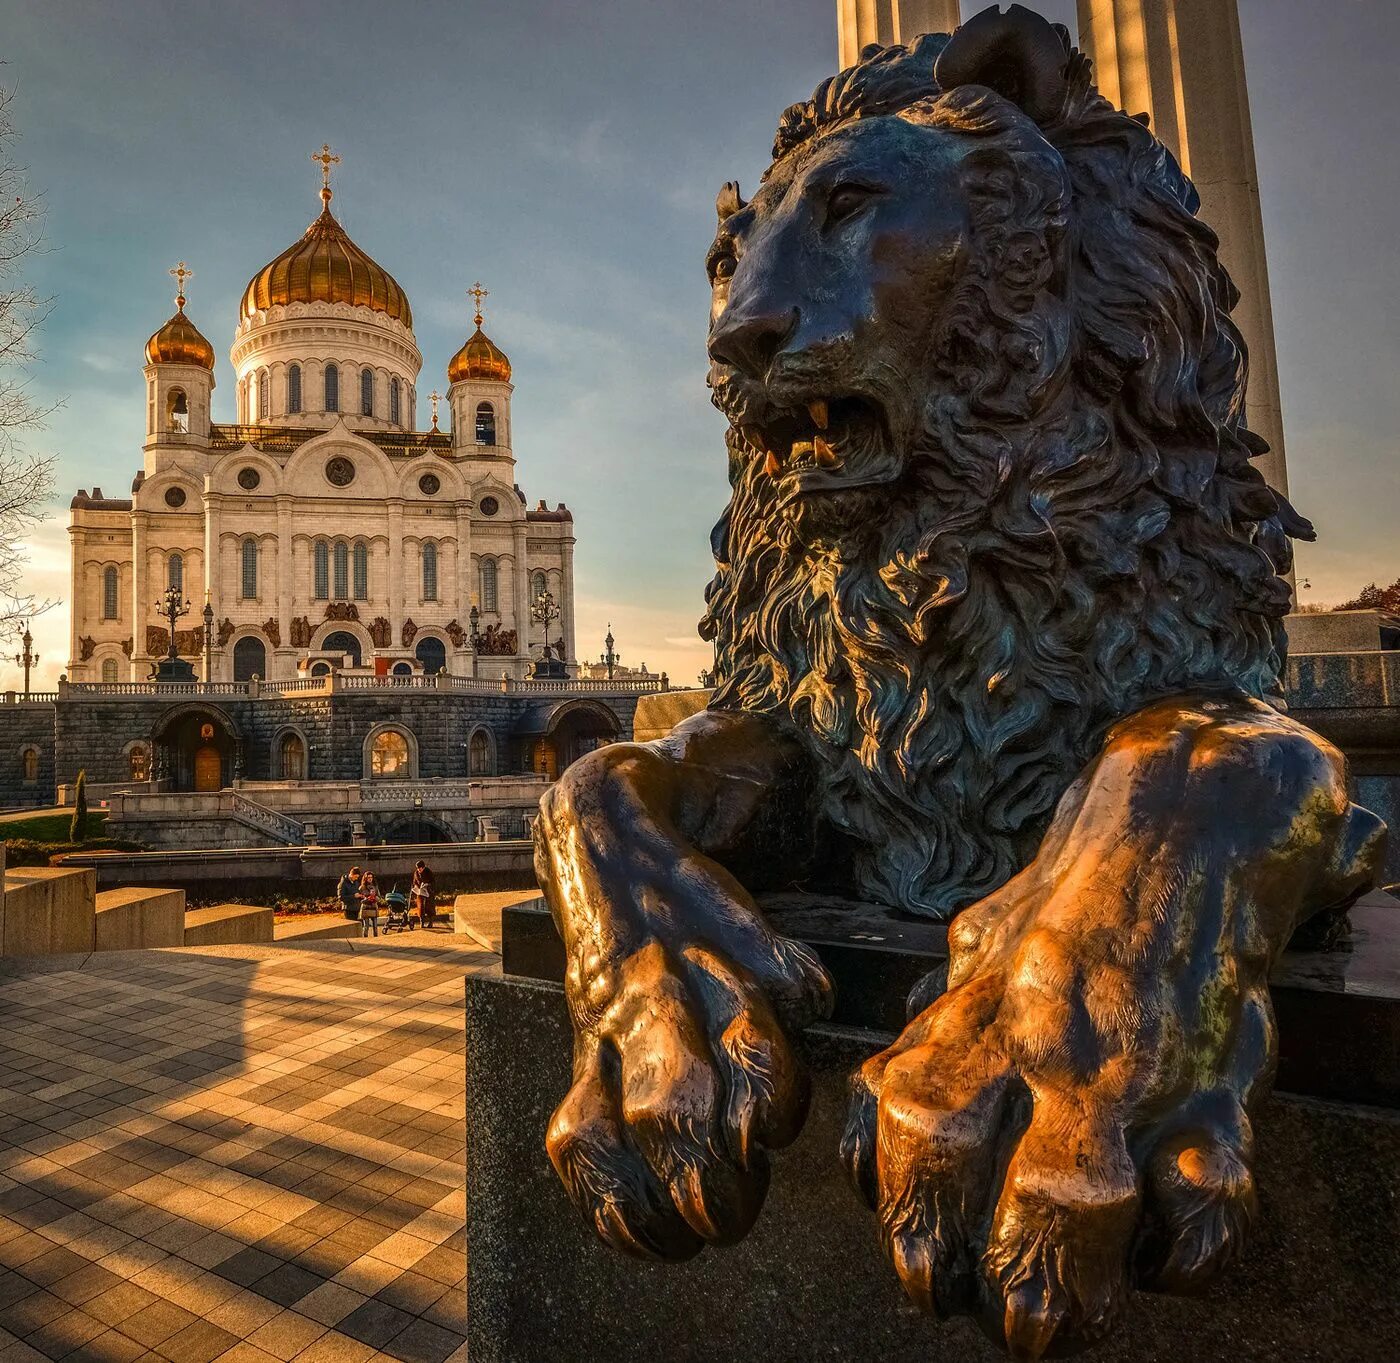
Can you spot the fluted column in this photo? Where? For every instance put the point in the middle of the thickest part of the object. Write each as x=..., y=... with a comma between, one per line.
x=466, y=579
x=859, y=22
x=286, y=584
x=1182, y=63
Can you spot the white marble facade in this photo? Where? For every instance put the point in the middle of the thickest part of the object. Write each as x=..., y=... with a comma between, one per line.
x=324, y=526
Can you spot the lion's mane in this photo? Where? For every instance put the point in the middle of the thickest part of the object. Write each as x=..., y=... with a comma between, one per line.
x=1081, y=530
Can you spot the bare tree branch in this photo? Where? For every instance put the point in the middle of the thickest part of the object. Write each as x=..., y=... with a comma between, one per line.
x=26, y=479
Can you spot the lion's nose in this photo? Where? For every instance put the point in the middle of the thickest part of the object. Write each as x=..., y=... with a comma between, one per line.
x=750, y=340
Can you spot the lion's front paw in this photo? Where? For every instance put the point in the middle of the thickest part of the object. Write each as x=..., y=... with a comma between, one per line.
x=1028, y=1165
x=679, y=1086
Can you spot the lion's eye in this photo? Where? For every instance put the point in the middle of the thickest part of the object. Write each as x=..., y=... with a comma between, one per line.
x=845, y=200
x=722, y=267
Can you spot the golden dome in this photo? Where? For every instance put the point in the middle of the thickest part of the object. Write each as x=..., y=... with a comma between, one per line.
x=325, y=266
x=179, y=342
x=480, y=358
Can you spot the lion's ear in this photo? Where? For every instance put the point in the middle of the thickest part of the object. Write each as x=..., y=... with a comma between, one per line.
x=1020, y=55
x=729, y=201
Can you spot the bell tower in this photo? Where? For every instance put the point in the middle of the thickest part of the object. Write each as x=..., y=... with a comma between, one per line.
x=479, y=393
x=179, y=376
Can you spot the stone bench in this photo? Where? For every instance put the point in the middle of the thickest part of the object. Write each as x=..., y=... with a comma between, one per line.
x=47, y=910
x=224, y=925
x=138, y=917
x=318, y=927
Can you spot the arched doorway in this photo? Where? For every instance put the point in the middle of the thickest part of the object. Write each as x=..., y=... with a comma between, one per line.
x=291, y=757
x=197, y=749
x=417, y=828
x=249, y=658
x=557, y=735
x=342, y=641
x=432, y=653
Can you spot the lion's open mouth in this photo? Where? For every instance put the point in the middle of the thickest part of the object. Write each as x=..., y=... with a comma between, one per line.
x=824, y=444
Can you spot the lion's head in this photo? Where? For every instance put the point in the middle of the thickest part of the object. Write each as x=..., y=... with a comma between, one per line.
x=991, y=478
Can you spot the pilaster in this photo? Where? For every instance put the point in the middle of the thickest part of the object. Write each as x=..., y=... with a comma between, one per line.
x=859, y=22
x=1182, y=63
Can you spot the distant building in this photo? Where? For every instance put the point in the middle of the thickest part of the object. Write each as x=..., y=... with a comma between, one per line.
x=328, y=531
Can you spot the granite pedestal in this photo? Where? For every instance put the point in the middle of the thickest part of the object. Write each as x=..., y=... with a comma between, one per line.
x=1321, y=1280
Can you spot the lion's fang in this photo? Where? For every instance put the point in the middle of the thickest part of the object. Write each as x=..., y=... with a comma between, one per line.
x=825, y=455
x=770, y=465
x=799, y=448
x=817, y=408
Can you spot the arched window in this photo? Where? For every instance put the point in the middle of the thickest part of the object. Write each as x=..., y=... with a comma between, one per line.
x=29, y=765
x=293, y=388
x=488, y=585
x=320, y=669
x=367, y=392
x=109, y=594
x=109, y=669
x=432, y=653
x=291, y=758
x=395, y=403
x=479, y=755
x=430, y=560
x=179, y=412
x=360, y=568
x=321, y=570
x=388, y=755
x=175, y=572
x=249, y=659
x=250, y=569
x=139, y=762
x=341, y=559
x=332, y=388
x=342, y=641
x=539, y=585
x=262, y=395
x=485, y=424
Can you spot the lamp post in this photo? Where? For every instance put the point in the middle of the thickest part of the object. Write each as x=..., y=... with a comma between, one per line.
x=474, y=619
x=208, y=640
x=172, y=606
x=542, y=612
x=28, y=658
x=610, y=658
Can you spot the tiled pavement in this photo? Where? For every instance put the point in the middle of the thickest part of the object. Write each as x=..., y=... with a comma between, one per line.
x=238, y=1153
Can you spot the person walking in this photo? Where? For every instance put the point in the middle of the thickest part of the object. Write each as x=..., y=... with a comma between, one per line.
x=424, y=895
x=347, y=890
x=369, y=905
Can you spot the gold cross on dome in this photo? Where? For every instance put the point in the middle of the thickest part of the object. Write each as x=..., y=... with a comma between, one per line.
x=435, y=397
x=327, y=159
x=180, y=273
x=478, y=293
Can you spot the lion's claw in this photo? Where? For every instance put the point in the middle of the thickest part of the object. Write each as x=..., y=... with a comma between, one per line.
x=681, y=1088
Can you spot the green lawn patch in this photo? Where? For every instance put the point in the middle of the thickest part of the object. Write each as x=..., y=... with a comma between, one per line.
x=50, y=827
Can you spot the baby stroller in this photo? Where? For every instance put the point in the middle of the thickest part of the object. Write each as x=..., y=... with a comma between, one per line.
x=396, y=905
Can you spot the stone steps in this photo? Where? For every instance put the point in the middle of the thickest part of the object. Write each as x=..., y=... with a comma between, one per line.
x=135, y=916
x=47, y=910
x=223, y=925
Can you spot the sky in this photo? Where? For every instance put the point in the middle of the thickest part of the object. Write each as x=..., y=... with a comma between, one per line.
x=568, y=155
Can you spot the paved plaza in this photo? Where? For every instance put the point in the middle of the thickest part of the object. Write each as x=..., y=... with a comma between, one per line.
x=239, y=1153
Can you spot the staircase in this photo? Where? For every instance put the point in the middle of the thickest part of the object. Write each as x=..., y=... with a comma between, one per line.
x=252, y=814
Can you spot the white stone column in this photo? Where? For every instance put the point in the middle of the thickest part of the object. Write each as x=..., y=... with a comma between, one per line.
x=396, y=599
x=521, y=599
x=284, y=653
x=140, y=602
x=1182, y=63
x=566, y=600
x=213, y=571
x=859, y=22
x=466, y=579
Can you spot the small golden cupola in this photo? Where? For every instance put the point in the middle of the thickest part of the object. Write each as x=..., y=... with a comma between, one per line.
x=325, y=266
x=480, y=357
x=179, y=340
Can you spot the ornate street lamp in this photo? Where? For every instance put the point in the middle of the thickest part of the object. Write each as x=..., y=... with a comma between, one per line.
x=542, y=612
x=208, y=640
x=610, y=658
x=172, y=606
x=28, y=658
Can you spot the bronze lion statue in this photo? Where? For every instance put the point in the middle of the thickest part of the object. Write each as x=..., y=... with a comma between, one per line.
x=997, y=620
